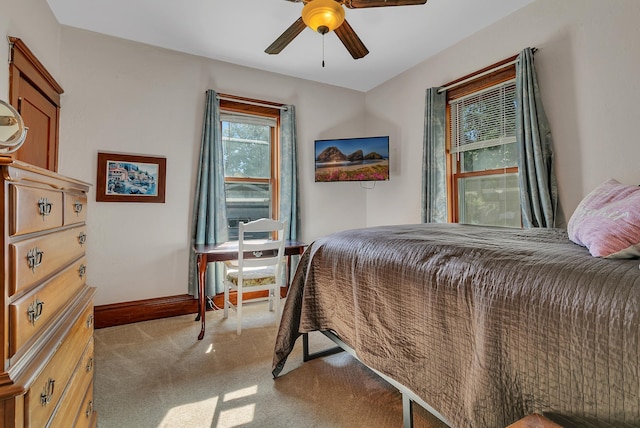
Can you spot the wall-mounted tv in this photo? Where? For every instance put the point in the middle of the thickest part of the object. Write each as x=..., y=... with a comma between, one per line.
x=352, y=159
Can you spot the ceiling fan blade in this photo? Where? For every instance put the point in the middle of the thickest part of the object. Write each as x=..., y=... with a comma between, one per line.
x=358, y=4
x=286, y=37
x=351, y=41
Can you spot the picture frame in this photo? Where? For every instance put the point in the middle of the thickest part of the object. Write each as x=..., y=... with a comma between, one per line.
x=130, y=178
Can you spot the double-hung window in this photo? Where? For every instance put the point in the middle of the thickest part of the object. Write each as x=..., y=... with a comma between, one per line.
x=483, y=158
x=250, y=151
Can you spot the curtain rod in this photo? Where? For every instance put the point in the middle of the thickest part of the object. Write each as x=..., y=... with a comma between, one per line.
x=253, y=103
x=484, y=73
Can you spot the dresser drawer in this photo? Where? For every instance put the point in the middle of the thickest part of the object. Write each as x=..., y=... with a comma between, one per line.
x=35, y=259
x=29, y=314
x=87, y=418
x=34, y=209
x=75, y=208
x=73, y=404
x=48, y=388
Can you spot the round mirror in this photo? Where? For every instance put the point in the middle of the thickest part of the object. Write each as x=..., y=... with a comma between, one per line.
x=12, y=129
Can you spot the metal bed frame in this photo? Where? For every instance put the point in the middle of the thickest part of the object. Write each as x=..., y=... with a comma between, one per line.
x=408, y=396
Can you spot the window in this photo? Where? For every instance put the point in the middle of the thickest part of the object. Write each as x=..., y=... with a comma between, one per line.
x=483, y=158
x=250, y=150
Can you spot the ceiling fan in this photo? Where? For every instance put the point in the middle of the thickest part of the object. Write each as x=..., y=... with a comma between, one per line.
x=324, y=16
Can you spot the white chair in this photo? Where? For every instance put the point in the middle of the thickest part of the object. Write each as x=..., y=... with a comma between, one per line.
x=259, y=267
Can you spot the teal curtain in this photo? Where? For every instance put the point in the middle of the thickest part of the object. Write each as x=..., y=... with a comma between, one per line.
x=434, y=167
x=209, y=222
x=538, y=185
x=289, y=194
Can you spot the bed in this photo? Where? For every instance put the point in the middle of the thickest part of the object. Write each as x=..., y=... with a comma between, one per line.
x=485, y=325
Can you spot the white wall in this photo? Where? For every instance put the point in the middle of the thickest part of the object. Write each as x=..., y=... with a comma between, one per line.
x=34, y=23
x=587, y=63
x=128, y=97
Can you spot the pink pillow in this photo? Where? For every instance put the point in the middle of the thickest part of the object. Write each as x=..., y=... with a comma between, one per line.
x=607, y=221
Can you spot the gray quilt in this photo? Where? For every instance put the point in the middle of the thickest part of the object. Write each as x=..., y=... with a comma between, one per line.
x=485, y=324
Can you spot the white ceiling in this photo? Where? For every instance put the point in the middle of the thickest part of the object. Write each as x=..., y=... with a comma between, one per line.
x=238, y=31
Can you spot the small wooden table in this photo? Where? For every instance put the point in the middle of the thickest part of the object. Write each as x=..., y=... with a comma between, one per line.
x=206, y=254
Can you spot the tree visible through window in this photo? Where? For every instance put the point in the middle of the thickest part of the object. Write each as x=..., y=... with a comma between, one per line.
x=247, y=150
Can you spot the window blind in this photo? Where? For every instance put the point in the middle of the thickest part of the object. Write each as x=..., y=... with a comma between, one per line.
x=248, y=118
x=484, y=119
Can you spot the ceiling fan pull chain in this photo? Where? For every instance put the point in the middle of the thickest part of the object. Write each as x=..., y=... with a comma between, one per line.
x=322, y=50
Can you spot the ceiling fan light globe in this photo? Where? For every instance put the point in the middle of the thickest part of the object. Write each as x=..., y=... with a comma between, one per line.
x=323, y=16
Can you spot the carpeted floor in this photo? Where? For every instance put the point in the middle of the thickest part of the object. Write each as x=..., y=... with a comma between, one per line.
x=157, y=374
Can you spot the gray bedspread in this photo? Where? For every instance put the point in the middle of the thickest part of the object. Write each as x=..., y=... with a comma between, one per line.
x=485, y=324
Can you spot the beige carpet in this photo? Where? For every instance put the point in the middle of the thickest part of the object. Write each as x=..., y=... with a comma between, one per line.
x=157, y=374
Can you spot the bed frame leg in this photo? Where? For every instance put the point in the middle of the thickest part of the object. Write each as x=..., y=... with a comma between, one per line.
x=407, y=411
x=305, y=347
x=306, y=356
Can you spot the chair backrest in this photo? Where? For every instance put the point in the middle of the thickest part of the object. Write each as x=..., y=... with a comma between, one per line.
x=266, y=252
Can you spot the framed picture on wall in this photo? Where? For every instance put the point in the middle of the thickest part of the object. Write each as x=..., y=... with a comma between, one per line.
x=130, y=178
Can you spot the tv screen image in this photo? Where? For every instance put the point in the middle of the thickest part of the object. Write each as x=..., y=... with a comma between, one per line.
x=352, y=159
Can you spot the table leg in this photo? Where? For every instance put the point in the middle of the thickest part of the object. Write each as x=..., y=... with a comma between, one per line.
x=287, y=277
x=202, y=276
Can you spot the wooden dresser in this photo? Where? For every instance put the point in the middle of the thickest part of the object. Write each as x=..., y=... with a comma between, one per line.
x=47, y=306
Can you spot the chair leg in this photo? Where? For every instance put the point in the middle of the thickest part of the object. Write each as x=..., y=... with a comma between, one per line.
x=239, y=311
x=276, y=296
x=271, y=299
x=225, y=311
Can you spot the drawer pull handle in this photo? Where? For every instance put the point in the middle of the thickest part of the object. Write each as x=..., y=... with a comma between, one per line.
x=34, y=258
x=45, y=207
x=82, y=238
x=89, y=364
x=47, y=392
x=77, y=207
x=90, y=321
x=89, y=410
x=82, y=270
x=34, y=311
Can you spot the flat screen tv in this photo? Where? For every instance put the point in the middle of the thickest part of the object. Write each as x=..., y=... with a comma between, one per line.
x=352, y=159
